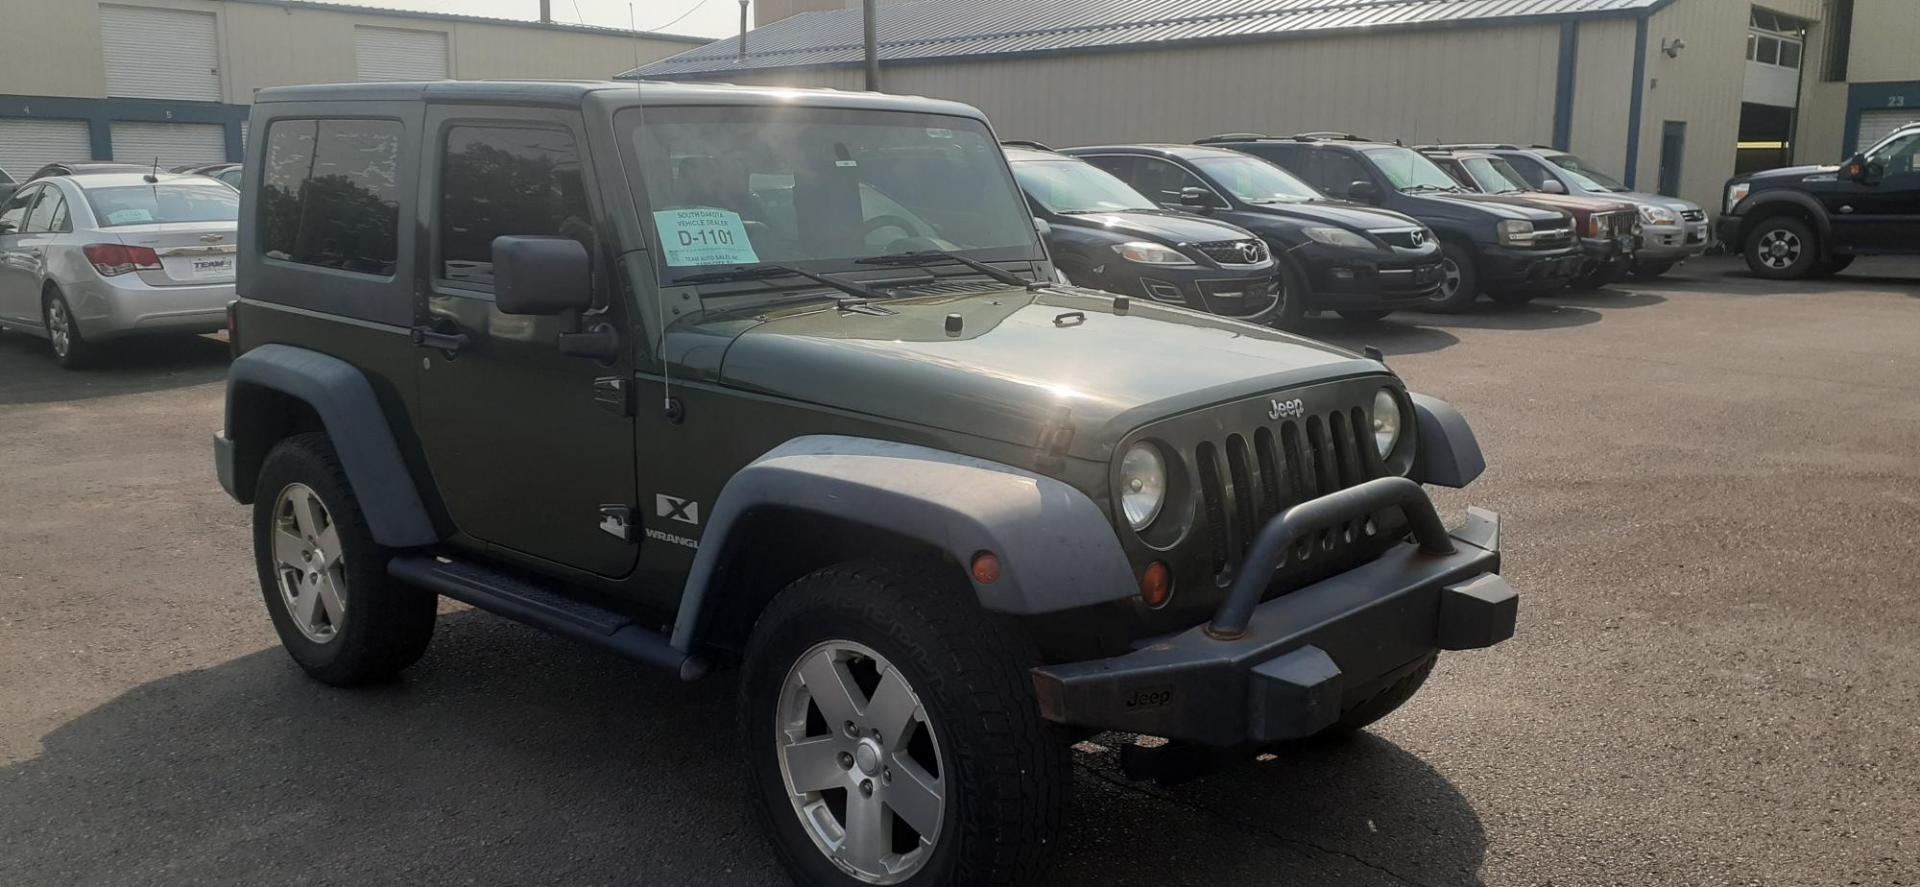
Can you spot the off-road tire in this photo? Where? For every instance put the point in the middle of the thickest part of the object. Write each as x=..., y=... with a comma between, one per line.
x=1651, y=269
x=1363, y=316
x=1382, y=703
x=79, y=353
x=1469, y=286
x=1793, y=234
x=1006, y=770
x=388, y=623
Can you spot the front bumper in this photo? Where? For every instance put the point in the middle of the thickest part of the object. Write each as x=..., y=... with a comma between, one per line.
x=1296, y=663
x=1603, y=252
x=1354, y=279
x=1250, y=295
x=1503, y=267
x=1680, y=240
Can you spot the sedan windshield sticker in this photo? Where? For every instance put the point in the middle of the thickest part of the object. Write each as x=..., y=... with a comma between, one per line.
x=704, y=236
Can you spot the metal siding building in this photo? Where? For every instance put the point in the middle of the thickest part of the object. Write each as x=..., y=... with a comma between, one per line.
x=1554, y=72
x=146, y=78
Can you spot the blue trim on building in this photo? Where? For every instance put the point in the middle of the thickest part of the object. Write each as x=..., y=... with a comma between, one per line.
x=101, y=114
x=1638, y=100
x=1888, y=96
x=1563, y=88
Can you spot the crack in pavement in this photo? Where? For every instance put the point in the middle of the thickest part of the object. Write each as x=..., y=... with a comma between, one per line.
x=1248, y=826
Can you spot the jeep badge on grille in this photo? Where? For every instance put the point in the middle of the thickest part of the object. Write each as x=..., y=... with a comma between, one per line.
x=1287, y=409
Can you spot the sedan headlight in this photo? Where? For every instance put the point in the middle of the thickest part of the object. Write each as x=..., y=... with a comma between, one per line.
x=1146, y=253
x=1386, y=421
x=1737, y=192
x=1657, y=215
x=1338, y=237
x=1143, y=484
x=1514, y=232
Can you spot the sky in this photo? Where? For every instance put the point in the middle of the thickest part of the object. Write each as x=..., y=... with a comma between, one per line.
x=703, y=18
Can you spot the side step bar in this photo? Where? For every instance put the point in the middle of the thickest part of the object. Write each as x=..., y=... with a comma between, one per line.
x=543, y=608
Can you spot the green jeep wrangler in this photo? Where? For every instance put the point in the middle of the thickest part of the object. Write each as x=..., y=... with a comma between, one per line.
x=783, y=380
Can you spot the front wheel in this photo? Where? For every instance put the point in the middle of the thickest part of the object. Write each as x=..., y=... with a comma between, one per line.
x=1459, y=283
x=1830, y=267
x=1383, y=702
x=1782, y=248
x=1363, y=316
x=1291, y=291
x=891, y=734
x=1649, y=269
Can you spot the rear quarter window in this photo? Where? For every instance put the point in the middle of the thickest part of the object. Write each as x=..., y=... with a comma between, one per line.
x=329, y=194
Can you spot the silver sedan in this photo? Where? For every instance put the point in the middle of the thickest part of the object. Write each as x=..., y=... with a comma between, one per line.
x=87, y=259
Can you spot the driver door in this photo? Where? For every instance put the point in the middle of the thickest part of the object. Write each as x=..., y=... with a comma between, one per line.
x=527, y=444
x=1883, y=213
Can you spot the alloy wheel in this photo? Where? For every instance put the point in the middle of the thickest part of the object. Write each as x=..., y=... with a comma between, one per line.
x=1449, y=281
x=860, y=761
x=59, y=327
x=1780, y=249
x=308, y=564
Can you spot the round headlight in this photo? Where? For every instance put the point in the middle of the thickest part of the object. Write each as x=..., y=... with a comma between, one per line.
x=1386, y=421
x=1143, y=484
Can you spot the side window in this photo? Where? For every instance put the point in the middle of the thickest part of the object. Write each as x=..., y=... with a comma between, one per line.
x=1334, y=172
x=329, y=194
x=1900, y=156
x=13, y=217
x=1161, y=180
x=50, y=215
x=1530, y=169
x=498, y=180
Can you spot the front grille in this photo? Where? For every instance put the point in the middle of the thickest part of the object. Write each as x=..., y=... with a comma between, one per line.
x=1694, y=215
x=1234, y=252
x=1247, y=478
x=1614, y=224
x=1552, y=238
x=1405, y=238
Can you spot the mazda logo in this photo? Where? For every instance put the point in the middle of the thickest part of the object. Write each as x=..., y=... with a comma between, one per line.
x=1418, y=237
x=1250, y=250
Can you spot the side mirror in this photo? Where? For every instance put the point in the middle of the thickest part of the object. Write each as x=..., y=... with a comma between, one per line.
x=1195, y=197
x=541, y=275
x=1040, y=225
x=1553, y=186
x=1365, y=192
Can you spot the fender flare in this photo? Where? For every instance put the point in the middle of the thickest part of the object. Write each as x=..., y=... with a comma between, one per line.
x=1756, y=206
x=357, y=427
x=1448, y=454
x=1057, y=549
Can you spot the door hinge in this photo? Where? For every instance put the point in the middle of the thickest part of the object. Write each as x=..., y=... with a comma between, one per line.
x=613, y=394
x=617, y=521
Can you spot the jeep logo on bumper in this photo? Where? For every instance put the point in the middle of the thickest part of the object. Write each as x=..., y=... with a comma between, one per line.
x=1149, y=697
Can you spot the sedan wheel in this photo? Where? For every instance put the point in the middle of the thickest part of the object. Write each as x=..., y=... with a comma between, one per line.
x=861, y=763
x=308, y=563
x=59, y=328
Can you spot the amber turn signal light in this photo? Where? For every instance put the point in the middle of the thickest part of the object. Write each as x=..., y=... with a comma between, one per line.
x=1156, y=584
x=986, y=568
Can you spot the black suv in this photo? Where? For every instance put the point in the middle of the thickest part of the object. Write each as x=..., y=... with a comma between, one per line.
x=1105, y=235
x=1359, y=261
x=778, y=379
x=1511, y=252
x=1811, y=221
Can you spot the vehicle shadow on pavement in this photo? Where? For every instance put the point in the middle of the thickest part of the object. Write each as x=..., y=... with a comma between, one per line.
x=1390, y=335
x=511, y=757
x=1616, y=295
x=1485, y=315
x=134, y=366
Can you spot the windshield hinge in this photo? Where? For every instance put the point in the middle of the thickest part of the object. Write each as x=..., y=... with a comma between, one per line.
x=862, y=306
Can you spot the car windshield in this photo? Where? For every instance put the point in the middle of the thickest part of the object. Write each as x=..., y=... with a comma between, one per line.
x=1076, y=186
x=1409, y=170
x=1256, y=181
x=1587, y=177
x=821, y=188
x=1493, y=175
x=164, y=202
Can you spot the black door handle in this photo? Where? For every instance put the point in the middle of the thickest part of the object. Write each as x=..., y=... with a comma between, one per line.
x=448, y=342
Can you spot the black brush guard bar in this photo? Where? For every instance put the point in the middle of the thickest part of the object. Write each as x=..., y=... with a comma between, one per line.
x=1271, y=546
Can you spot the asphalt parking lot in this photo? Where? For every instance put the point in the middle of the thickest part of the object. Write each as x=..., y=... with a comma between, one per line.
x=1712, y=487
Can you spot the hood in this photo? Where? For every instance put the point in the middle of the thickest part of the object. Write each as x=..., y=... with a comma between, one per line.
x=1578, y=206
x=1352, y=216
x=1786, y=174
x=1023, y=362
x=1495, y=205
x=1162, y=225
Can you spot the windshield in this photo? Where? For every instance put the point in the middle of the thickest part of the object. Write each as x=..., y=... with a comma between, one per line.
x=1409, y=170
x=1493, y=175
x=146, y=204
x=1587, y=177
x=823, y=187
x=1076, y=186
x=1256, y=181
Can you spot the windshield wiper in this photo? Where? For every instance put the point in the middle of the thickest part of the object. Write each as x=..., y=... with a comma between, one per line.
x=769, y=270
x=936, y=256
x=1444, y=189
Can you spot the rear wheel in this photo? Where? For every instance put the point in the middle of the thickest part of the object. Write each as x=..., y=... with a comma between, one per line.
x=324, y=578
x=891, y=733
x=1782, y=248
x=1459, y=284
x=70, y=349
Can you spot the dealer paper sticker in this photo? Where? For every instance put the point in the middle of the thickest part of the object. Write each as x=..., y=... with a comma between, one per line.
x=704, y=236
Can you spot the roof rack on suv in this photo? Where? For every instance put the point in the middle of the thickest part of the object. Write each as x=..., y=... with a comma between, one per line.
x=1470, y=146
x=1232, y=137
x=1024, y=143
x=1327, y=135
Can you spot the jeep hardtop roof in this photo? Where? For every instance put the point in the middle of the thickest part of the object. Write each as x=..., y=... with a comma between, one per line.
x=573, y=93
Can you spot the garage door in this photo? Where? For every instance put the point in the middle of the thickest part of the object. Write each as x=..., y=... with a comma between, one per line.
x=160, y=54
x=395, y=54
x=1877, y=125
x=175, y=144
x=27, y=145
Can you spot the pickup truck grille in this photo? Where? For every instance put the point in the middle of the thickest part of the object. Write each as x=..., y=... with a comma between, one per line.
x=1247, y=478
x=1694, y=215
x=1614, y=224
x=1234, y=252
